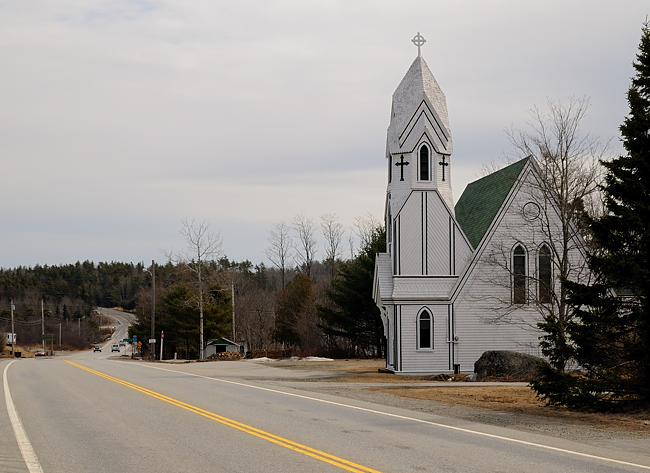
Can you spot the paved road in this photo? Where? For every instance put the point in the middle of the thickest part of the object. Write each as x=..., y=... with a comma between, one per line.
x=95, y=412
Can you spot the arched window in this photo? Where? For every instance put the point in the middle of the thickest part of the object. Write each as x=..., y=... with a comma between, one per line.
x=425, y=330
x=519, y=275
x=545, y=280
x=424, y=163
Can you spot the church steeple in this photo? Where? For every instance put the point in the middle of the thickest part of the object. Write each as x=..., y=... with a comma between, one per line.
x=419, y=134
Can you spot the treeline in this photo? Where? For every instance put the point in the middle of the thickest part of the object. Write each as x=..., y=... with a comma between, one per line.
x=80, y=285
x=306, y=309
x=62, y=298
x=329, y=312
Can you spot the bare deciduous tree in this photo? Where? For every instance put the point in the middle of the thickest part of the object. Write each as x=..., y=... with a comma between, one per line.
x=351, y=243
x=203, y=247
x=280, y=248
x=569, y=161
x=256, y=318
x=366, y=228
x=306, y=248
x=333, y=233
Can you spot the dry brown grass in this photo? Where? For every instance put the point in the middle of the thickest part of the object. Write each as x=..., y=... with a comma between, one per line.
x=520, y=400
x=24, y=353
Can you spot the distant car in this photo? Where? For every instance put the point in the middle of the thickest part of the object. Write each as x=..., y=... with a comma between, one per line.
x=40, y=352
x=115, y=347
x=97, y=348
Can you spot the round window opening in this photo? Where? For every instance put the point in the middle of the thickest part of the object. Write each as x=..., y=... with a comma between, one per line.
x=531, y=211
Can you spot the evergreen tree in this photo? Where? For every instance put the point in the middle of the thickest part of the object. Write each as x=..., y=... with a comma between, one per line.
x=293, y=305
x=354, y=315
x=180, y=318
x=611, y=331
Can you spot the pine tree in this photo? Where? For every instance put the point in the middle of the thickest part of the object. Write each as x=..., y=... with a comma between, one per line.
x=611, y=334
x=353, y=314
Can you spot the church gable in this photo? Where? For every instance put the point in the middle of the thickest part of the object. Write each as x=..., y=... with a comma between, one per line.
x=424, y=120
x=521, y=235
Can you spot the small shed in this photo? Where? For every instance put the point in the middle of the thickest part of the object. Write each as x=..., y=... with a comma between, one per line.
x=219, y=345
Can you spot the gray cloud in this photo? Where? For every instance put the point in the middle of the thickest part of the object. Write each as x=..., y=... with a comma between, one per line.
x=120, y=118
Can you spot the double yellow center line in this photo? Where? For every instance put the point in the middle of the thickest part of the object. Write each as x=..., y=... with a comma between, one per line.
x=297, y=447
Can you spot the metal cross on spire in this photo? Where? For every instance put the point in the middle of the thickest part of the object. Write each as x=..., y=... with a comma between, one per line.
x=443, y=164
x=401, y=165
x=418, y=40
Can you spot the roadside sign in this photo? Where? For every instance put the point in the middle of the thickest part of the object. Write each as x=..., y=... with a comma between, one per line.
x=135, y=339
x=152, y=340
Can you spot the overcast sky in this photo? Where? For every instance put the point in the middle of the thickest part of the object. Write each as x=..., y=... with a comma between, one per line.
x=120, y=118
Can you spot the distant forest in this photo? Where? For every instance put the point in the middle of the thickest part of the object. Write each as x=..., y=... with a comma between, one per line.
x=293, y=309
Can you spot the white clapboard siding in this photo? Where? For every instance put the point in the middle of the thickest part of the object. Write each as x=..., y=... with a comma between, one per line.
x=410, y=232
x=463, y=250
x=400, y=190
x=423, y=288
x=439, y=238
x=421, y=361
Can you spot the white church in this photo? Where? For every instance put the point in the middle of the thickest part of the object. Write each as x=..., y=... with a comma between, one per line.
x=456, y=281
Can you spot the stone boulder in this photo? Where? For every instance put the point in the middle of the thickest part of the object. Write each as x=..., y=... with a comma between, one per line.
x=510, y=365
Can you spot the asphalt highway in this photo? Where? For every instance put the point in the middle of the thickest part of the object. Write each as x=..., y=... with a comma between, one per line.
x=102, y=412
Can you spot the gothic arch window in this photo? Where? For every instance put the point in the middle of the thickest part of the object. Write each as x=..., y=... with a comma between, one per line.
x=519, y=275
x=425, y=329
x=424, y=163
x=544, y=275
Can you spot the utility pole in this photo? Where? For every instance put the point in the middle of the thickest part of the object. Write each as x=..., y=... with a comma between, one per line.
x=232, y=296
x=13, y=333
x=200, y=319
x=43, y=324
x=153, y=303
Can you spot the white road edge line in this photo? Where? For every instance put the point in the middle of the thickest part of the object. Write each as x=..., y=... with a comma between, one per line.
x=29, y=455
x=413, y=419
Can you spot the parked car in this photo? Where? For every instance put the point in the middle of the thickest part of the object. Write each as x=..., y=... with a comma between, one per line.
x=115, y=347
x=40, y=352
x=97, y=348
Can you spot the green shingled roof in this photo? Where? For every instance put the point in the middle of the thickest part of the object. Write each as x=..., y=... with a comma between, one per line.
x=482, y=199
